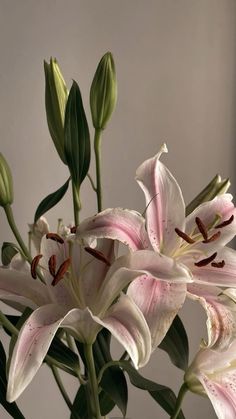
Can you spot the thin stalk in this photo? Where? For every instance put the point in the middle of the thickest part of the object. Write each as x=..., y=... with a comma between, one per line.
x=88, y=351
x=92, y=182
x=97, y=150
x=12, y=224
x=61, y=387
x=183, y=390
x=76, y=203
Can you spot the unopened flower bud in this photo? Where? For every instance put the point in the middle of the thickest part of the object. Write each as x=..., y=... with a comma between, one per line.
x=56, y=95
x=6, y=184
x=103, y=93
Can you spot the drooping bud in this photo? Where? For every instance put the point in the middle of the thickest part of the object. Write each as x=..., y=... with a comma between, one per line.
x=103, y=92
x=6, y=183
x=56, y=95
x=214, y=188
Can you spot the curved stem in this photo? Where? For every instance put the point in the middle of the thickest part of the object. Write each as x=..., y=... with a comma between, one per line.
x=61, y=386
x=92, y=182
x=12, y=224
x=97, y=150
x=88, y=351
x=183, y=390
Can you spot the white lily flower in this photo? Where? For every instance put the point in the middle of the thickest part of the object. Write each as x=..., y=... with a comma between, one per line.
x=195, y=243
x=82, y=293
x=213, y=373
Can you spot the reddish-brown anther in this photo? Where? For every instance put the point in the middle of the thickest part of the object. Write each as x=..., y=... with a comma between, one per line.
x=33, y=266
x=55, y=237
x=52, y=265
x=206, y=261
x=201, y=227
x=98, y=255
x=218, y=264
x=212, y=238
x=73, y=229
x=226, y=222
x=61, y=271
x=184, y=236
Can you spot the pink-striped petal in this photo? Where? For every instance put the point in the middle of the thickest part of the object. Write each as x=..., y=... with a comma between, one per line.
x=123, y=225
x=211, y=275
x=165, y=208
x=221, y=315
x=159, y=302
x=35, y=338
x=222, y=394
x=127, y=324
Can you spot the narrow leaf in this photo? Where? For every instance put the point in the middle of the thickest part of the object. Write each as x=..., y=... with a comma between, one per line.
x=77, y=140
x=11, y=408
x=175, y=343
x=51, y=200
x=9, y=250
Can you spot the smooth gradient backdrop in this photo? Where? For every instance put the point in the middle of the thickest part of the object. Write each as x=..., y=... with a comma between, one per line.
x=176, y=69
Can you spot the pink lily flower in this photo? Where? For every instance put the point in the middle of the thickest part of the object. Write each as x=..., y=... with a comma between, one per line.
x=82, y=293
x=196, y=242
x=213, y=374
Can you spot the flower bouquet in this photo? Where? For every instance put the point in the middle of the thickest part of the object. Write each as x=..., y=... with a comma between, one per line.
x=74, y=291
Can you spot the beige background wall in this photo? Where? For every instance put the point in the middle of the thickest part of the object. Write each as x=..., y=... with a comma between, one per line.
x=176, y=65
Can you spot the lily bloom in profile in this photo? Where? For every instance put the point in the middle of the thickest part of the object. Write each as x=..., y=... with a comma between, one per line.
x=82, y=292
x=213, y=374
x=196, y=242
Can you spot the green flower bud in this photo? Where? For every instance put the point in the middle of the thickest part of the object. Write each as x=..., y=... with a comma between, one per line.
x=6, y=184
x=103, y=92
x=56, y=95
x=214, y=188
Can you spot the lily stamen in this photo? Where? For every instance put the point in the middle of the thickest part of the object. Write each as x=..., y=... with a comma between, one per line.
x=184, y=236
x=226, y=222
x=52, y=265
x=55, y=237
x=61, y=271
x=201, y=228
x=33, y=266
x=98, y=255
x=205, y=262
x=218, y=264
x=73, y=229
x=212, y=238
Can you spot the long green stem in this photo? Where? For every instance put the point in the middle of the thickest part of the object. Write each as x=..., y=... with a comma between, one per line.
x=12, y=224
x=97, y=150
x=88, y=351
x=183, y=390
x=61, y=387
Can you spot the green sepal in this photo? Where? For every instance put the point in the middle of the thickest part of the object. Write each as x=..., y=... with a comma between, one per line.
x=175, y=343
x=11, y=408
x=51, y=200
x=214, y=188
x=77, y=139
x=8, y=251
x=163, y=395
x=56, y=94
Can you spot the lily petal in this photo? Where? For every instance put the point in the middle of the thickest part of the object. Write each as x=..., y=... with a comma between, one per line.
x=221, y=315
x=18, y=287
x=159, y=302
x=210, y=275
x=127, y=324
x=165, y=208
x=131, y=266
x=123, y=225
x=35, y=338
x=222, y=394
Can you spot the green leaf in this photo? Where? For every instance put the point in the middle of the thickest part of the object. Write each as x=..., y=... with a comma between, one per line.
x=175, y=343
x=11, y=408
x=164, y=396
x=8, y=251
x=80, y=408
x=51, y=200
x=62, y=354
x=77, y=140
